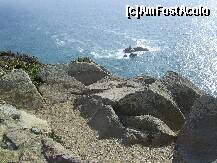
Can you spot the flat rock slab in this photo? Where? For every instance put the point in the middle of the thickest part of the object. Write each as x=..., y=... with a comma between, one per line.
x=116, y=94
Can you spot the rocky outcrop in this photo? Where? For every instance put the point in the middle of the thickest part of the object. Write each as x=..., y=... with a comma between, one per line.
x=154, y=100
x=112, y=100
x=136, y=49
x=183, y=91
x=87, y=72
x=139, y=110
x=197, y=140
x=17, y=89
x=146, y=130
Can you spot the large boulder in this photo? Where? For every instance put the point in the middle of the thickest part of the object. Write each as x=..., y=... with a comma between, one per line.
x=197, y=140
x=111, y=90
x=99, y=116
x=183, y=91
x=158, y=133
x=107, y=123
x=16, y=88
x=57, y=85
x=88, y=105
x=155, y=100
x=57, y=74
x=87, y=72
x=132, y=98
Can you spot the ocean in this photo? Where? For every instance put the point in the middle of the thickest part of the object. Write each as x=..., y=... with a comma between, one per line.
x=59, y=31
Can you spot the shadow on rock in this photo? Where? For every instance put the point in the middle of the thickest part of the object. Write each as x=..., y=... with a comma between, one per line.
x=197, y=142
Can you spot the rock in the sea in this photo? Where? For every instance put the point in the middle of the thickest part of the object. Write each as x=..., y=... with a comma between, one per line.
x=183, y=91
x=197, y=141
x=158, y=132
x=132, y=55
x=87, y=72
x=154, y=100
x=16, y=88
x=136, y=49
x=56, y=153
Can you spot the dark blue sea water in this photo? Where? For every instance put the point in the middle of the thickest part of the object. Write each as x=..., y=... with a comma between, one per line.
x=57, y=31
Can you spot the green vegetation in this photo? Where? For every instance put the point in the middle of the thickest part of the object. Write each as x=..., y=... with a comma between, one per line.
x=84, y=59
x=32, y=71
x=30, y=64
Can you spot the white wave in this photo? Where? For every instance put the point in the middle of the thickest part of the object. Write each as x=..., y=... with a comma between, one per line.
x=60, y=43
x=108, y=54
x=114, y=54
x=141, y=42
x=146, y=44
x=64, y=39
x=80, y=50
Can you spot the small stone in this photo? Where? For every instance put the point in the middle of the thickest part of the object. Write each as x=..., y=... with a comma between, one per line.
x=36, y=130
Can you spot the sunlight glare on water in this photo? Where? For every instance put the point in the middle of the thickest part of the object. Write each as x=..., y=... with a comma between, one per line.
x=60, y=31
x=199, y=58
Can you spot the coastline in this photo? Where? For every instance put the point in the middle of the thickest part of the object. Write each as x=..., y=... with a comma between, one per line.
x=81, y=110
